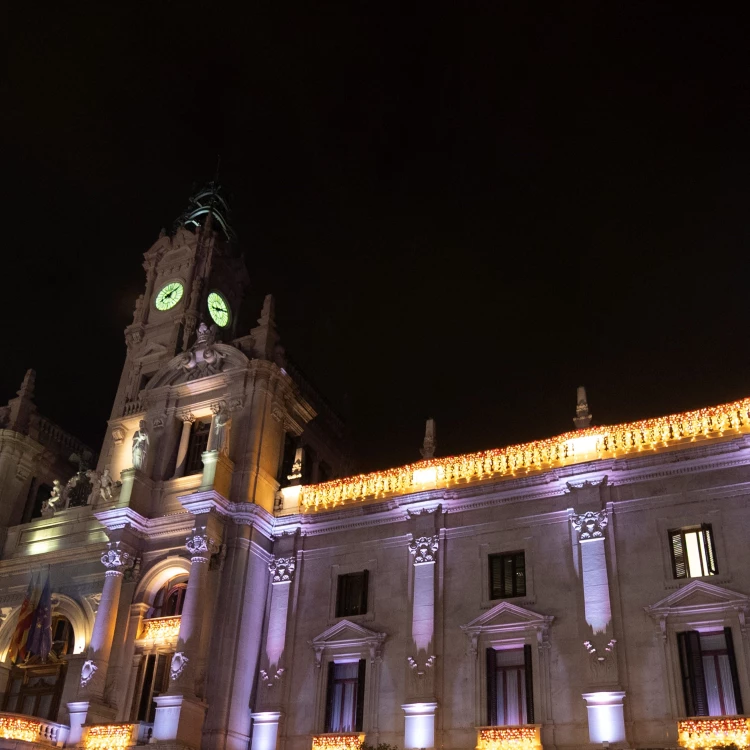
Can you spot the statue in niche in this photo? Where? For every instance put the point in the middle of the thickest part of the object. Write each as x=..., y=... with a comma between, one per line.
x=140, y=446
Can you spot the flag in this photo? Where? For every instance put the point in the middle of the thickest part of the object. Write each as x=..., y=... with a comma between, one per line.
x=17, y=650
x=39, y=641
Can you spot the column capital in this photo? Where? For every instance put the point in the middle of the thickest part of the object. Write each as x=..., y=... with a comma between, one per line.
x=424, y=549
x=186, y=416
x=200, y=545
x=116, y=559
x=282, y=569
x=590, y=525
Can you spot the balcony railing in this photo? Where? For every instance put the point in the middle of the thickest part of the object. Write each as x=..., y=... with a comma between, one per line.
x=338, y=741
x=31, y=729
x=522, y=737
x=160, y=629
x=714, y=731
x=110, y=736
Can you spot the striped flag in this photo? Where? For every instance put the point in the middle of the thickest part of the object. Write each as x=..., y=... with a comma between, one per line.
x=39, y=642
x=17, y=650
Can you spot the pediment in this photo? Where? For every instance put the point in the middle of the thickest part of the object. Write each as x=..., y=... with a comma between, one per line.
x=347, y=633
x=507, y=617
x=199, y=362
x=699, y=597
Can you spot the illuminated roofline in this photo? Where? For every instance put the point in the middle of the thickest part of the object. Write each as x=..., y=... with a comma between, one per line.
x=540, y=455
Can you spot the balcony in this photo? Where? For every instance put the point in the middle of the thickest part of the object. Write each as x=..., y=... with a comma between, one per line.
x=32, y=730
x=337, y=741
x=714, y=731
x=160, y=629
x=110, y=736
x=522, y=737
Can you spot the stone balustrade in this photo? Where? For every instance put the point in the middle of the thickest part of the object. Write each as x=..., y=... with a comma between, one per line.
x=32, y=730
x=522, y=737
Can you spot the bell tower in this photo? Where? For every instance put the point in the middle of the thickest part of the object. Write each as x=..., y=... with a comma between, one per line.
x=193, y=274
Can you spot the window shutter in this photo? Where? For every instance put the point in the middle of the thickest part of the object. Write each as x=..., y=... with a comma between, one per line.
x=679, y=567
x=529, y=684
x=496, y=577
x=329, y=695
x=491, y=687
x=361, y=691
x=363, y=592
x=508, y=569
x=340, y=594
x=733, y=670
x=693, y=679
x=708, y=546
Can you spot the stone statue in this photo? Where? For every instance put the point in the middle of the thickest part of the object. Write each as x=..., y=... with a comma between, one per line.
x=220, y=427
x=102, y=485
x=140, y=446
x=49, y=506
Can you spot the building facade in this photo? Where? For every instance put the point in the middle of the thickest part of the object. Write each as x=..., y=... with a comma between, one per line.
x=220, y=580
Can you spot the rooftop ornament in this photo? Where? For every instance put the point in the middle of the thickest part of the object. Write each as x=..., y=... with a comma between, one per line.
x=579, y=446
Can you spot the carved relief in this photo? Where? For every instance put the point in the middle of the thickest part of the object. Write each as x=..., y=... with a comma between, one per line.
x=282, y=569
x=116, y=560
x=179, y=662
x=590, y=525
x=424, y=549
x=200, y=545
x=88, y=671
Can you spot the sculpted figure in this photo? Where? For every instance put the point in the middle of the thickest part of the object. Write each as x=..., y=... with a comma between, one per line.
x=50, y=504
x=140, y=446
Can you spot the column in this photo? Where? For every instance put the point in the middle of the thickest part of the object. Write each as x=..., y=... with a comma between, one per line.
x=187, y=424
x=91, y=704
x=266, y=718
x=179, y=714
x=419, y=715
x=604, y=703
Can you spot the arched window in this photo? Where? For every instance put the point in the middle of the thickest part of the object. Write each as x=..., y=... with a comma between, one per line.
x=170, y=598
x=63, y=637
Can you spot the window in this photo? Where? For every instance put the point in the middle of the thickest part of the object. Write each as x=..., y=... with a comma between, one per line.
x=169, y=599
x=351, y=597
x=709, y=673
x=152, y=679
x=507, y=575
x=62, y=636
x=345, y=699
x=196, y=447
x=693, y=552
x=510, y=691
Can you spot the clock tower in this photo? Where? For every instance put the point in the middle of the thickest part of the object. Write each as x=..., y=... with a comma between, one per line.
x=194, y=275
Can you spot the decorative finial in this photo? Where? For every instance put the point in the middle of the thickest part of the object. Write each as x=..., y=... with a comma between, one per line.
x=268, y=313
x=430, y=443
x=27, y=387
x=583, y=417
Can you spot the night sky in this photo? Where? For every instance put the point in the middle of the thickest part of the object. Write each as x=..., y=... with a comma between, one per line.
x=463, y=210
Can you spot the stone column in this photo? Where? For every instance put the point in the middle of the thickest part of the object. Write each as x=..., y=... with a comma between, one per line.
x=420, y=715
x=605, y=702
x=179, y=714
x=266, y=719
x=182, y=450
x=91, y=705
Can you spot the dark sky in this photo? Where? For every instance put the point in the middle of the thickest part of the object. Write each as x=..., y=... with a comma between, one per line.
x=464, y=210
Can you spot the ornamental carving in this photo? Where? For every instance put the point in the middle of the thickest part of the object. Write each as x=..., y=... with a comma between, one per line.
x=424, y=549
x=268, y=679
x=199, y=544
x=590, y=525
x=282, y=569
x=179, y=662
x=88, y=671
x=116, y=560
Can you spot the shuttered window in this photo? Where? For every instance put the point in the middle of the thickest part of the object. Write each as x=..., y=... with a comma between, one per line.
x=510, y=687
x=507, y=575
x=710, y=682
x=152, y=680
x=693, y=552
x=351, y=597
x=345, y=696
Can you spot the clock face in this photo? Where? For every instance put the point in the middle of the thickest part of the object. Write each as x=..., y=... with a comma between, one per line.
x=218, y=309
x=169, y=295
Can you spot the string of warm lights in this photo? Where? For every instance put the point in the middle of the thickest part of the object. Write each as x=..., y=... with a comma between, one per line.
x=109, y=737
x=160, y=629
x=570, y=448
x=14, y=728
x=509, y=738
x=337, y=741
x=715, y=732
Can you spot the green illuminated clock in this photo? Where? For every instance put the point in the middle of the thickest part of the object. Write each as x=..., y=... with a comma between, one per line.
x=218, y=309
x=169, y=295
